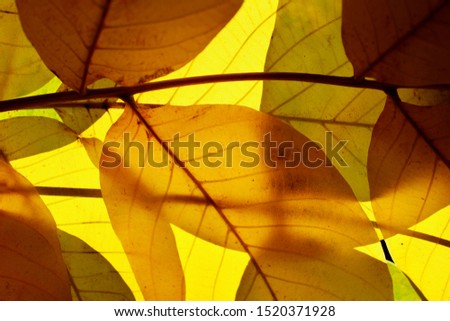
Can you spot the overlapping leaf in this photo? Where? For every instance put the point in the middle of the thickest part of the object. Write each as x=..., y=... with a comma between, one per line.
x=67, y=179
x=409, y=182
x=127, y=42
x=21, y=69
x=408, y=179
x=26, y=136
x=300, y=226
x=399, y=42
x=307, y=38
x=92, y=276
x=32, y=266
x=240, y=47
x=404, y=43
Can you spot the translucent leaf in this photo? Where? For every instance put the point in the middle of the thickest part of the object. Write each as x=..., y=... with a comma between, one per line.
x=32, y=265
x=423, y=251
x=408, y=179
x=127, y=42
x=307, y=38
x=68, y=182
x=399, y=42
x=410, y=182
x=240, y=47
x=21, y=68
x=92, y=276
x=25, y=136
x=300, y=226
x=79, y=119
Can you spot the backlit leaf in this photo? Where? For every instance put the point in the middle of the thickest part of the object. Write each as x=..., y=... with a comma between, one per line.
x=92, y=276
x=410, y=182
x=240, y=47
x=67, y=179
x=423, y=251
x=21, y=68
x=128, y=42
x=399, y=42
x=307, y=38
x=408, y=179
x=300, y=226
x=25, y=136
x=79, y=119
x=32, y=266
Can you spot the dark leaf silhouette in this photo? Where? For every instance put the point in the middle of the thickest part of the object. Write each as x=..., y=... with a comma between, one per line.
x=404, y=43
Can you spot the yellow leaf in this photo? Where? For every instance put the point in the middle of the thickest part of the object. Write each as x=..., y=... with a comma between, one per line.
x=21, y=68
x=399, y=42
x=240, y=47
x=32, y=265
x=128, y=42
x=211, y=272
x=314, y=109
x=25, y=136
x=300, y=226
x=423, y=251
x=91, y=275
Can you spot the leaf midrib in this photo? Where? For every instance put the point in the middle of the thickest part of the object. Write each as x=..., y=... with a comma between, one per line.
x=208, y=198
x=93, y=46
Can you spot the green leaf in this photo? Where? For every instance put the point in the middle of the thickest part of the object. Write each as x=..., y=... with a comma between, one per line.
x=25, y=136
x=92, y=276
x=21, y=69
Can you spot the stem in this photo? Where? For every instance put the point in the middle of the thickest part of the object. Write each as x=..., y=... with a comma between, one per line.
x=52, y=100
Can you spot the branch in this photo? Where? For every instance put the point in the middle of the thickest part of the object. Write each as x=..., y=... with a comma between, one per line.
x=52, y=100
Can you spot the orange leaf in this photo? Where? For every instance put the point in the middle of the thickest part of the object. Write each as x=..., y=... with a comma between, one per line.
x=300, y=226
x=32, y=266
x=127, y=41
x=409, y=181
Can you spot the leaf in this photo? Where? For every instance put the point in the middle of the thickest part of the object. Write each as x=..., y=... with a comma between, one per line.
x=403, y=290
x=25, y=136
x=307, y=38
x=69, y=185
x=127, y=42
x=32, y=266
x=410, y=183
x=240, y=47
x=408, y=180
x=92, y=276
x=211, y=272
x=424, y=97
x=300, y=226
x=399, y=42
x=147, y=240
x=422, y=252
x=433, y=123
x=21, y=69
x=79, y=119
